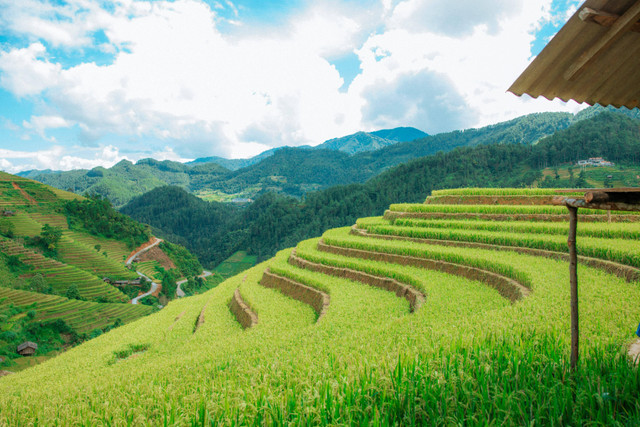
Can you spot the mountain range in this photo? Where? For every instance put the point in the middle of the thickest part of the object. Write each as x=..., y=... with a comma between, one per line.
x=295, y=171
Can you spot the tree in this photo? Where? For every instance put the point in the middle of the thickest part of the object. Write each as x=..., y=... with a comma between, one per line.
x=50, y=236
x=38, y=284
x=72, y=292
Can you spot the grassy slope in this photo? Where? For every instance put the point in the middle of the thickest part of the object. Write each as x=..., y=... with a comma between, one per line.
x=466, y=356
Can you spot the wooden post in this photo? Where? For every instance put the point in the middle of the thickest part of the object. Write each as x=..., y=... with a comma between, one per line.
x=573, y=278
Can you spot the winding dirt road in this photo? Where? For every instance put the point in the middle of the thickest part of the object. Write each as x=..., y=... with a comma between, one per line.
x=180, y=293
x=154, y=285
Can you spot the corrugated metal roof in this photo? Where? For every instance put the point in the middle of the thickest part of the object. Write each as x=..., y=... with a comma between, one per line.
x=612, y=77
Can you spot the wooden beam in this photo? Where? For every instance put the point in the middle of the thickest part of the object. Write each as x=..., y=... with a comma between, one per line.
x=604, y=19
x=573, y=283
x=606, y=206
x=617, y=30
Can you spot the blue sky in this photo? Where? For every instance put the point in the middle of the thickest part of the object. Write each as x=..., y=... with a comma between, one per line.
x=91, y=82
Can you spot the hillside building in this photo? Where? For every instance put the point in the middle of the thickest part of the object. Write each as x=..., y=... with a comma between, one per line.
x=595, y=161
x=27, y=348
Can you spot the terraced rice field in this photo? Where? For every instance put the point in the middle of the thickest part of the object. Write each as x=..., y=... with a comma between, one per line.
x=53, y=219
x=87, y=258
x=61, y=276
x=115, y=250
x=148, y=268
x=388, y=322
x=84, y=316
x=17, y=191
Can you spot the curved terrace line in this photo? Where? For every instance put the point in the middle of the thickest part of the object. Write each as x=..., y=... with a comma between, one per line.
x=413, y=296
x=507, y=287
x=626, y=272
x=393, y=215
x=317, y=299
x=242, y=312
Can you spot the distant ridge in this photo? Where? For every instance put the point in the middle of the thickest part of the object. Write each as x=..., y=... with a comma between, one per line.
x=351, y=144
x=233, y=164
x=370, y=141
x=401, y=134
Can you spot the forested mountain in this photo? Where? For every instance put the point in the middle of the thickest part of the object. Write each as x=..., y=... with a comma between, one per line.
x=186, y=219
x=349, y=144
x=294, y=171
x=233, y=164
x=125, y=180
x=401, y=134
x=370, y=141
x=275, y=222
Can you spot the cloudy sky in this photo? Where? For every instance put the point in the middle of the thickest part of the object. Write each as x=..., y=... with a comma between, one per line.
x=90, y=82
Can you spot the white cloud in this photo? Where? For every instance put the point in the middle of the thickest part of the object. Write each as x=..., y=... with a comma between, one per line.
x=177, y=80
x=180, y=74
x=454, y=18
x=27, y=71
x=168, y=154
x=479, y=63
x=62, y=25
x=40, y=124
x=57, y=157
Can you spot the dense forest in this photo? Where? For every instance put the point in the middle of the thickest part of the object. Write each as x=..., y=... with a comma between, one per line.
x=213, y=231
x=97, y=216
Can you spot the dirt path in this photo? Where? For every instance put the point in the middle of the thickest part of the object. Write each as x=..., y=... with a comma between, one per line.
x=24, y=194
x=180, y=293
x=155, y=287
x=142, y=249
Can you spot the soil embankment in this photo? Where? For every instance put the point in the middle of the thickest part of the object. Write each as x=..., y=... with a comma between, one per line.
x=627, y=272
x=200, y=320
x=508, y=288
x=392, y=215
x=156, y=254
x=142, y=248
x=241, y=310
x=24, y=194
x=317, y=299
x=491, y=200
x=415, y=297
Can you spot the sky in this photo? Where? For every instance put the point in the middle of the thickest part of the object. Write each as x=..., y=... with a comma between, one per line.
x=86, y=83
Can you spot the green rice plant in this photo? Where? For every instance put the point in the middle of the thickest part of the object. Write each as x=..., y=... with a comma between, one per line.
x=628, y=231
x=439, y=288
x=467, y=356
x=497, y=209
x=340, y=237
x=506, y=192
x=617, y=250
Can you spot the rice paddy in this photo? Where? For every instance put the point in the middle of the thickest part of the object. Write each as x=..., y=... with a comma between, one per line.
x=471, y=353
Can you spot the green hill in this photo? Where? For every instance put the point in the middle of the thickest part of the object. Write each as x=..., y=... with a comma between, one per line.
x=453, y=311
x=55, y=250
